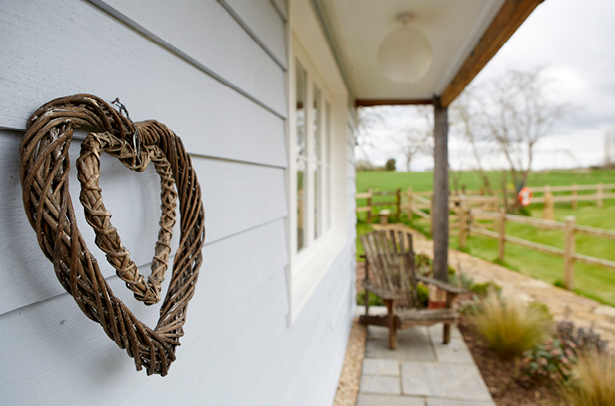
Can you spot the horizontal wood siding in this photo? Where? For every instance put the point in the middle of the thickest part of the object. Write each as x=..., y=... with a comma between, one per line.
x=214, y=72
x=196, y=27
x=213, y=119
x=263, y=22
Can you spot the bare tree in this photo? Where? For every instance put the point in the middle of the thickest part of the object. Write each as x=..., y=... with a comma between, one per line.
x=465, y=116
x=367, y=119
x=517, y=113
x=412, y=143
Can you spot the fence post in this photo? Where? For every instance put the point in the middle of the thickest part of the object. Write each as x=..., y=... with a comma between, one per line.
x=398, y=203
x=463, y=221
x=502, y=239
x=569, y=248
x=410, y=203
x=574, y=202
x=369, y=204
x=548, y=211
x=600, y=192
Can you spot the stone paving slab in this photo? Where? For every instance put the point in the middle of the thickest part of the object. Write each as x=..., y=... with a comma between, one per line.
x=453, y=402
x=421, y=372
x=381, y=366
x=376, y=384
x=412, y=344
x=433, y=379
x=383, y=400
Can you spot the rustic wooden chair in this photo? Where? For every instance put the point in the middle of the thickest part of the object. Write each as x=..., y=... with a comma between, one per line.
x=389, y=258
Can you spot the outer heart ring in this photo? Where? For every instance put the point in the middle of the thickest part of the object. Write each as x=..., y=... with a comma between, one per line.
x=44, y=179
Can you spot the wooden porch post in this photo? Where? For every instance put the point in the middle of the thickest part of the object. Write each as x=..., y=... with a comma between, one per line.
x=440, y=192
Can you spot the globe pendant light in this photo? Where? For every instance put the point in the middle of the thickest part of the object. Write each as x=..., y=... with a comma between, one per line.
x=405, y=54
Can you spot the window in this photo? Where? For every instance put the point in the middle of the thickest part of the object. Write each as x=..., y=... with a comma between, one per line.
x=312, y=157
x=317, y=160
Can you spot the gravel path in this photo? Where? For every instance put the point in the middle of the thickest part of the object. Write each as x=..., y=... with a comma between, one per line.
x=348, y=387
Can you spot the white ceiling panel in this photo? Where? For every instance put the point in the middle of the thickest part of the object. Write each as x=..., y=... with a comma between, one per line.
x=453, y=27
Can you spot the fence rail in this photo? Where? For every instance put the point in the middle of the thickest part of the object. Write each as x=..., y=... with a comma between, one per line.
x=569, y=227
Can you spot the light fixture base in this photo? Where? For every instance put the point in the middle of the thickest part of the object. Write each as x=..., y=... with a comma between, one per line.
x=405, y=18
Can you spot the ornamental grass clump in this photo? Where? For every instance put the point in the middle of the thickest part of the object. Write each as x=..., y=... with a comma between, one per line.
x=593, y=382
x=510, y=326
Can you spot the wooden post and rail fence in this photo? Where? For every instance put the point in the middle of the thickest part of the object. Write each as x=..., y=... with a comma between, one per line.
x=416, y=202
x=475, y=206
x=601, y=193
x=411, y=203
x=569, y=227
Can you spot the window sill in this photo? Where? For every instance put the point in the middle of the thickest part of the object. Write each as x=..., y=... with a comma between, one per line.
x=306, y=278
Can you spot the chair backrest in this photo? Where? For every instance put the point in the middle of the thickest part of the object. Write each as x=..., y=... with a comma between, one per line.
x=390, y=260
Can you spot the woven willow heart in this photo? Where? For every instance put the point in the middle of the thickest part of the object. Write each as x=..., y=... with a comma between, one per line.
x=47, y=202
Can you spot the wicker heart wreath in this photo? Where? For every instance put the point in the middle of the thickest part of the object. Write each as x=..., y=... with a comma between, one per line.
x=44, y=179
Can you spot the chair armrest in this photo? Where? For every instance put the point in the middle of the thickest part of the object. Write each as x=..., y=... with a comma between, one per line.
x=383, y=293
x=447, y=287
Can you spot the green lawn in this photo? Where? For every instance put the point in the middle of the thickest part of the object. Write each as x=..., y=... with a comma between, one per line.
x=423, y=181
x=592, y=281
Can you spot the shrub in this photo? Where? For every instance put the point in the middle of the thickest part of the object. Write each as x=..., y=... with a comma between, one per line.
x=374, y=300
x=482, y=289
x=470, y=307
x=543, y=308
x=580, y=340
x=423, y=264
x=422, y=294
x=548, y=361
x=559, y=283
x=509, y=326
x=593, y=381
x=461, y=281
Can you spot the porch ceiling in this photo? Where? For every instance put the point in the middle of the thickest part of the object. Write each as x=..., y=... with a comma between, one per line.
x=454, y=28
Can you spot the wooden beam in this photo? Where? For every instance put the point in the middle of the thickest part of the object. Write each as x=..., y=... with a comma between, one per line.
x=512, y=14
x=390, y=102
x=439, y=214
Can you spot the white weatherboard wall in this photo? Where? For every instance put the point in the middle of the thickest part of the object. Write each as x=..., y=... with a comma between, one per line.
x=214, y=72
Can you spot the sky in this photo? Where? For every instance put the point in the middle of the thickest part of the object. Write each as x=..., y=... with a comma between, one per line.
x=574, y=42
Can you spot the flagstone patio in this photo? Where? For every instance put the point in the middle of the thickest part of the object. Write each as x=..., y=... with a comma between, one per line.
x=422, y=371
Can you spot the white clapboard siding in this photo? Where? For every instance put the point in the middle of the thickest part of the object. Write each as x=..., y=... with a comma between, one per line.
x=244, y=357
x=63, y=47
x=232, y=196
x=195, y=28
x=264, y=22
x=350, y=170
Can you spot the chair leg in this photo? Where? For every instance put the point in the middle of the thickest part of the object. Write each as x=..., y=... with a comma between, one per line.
x=392, y=325
x=447, y=333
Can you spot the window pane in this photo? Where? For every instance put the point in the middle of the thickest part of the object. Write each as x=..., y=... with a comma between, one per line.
x=328, y=133
x=317, y=229
x=301, y=96
x=329, y=190
x=316, y=134
x=301, y=204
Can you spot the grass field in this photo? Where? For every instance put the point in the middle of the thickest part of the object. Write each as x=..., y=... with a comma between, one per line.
x=592, y=281
x=423, y=181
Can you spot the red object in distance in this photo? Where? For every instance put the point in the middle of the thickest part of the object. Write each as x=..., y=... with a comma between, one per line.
x=525, y=196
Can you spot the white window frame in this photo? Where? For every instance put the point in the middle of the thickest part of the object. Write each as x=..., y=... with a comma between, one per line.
x=308, y=267
x=321, y=198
